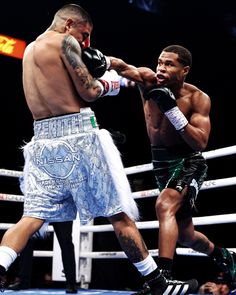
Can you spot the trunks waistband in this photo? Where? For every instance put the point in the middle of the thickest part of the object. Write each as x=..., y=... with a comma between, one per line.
x=64, y=125
x=161, y=153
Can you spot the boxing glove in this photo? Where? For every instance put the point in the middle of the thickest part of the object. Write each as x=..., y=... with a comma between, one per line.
x=162, y=96
x=110, y=83
x=167, y=104
x=96, y=62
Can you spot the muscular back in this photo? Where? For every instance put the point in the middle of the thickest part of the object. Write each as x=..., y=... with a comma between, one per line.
x=48, y=88
x=56, y=82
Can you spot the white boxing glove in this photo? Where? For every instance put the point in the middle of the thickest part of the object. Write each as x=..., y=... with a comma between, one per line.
x=110, y=83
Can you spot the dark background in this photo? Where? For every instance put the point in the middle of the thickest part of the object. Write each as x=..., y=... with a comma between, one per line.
x=125, y=29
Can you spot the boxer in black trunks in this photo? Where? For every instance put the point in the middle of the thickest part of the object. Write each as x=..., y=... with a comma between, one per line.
x=178, y=126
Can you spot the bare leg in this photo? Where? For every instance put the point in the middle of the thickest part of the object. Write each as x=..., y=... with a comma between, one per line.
x=18, y=235
x=183, y=231
x=167, y=205
x=129, y=237
x=189, y=237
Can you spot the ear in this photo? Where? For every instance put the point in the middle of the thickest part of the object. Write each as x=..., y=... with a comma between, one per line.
x=186, y=70
x=69, y=22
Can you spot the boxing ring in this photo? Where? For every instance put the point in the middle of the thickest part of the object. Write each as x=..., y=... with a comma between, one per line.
x=84, y=240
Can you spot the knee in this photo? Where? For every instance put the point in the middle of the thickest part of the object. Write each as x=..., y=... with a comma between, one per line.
x=164, y=207
x=168, y=202
x=160, y=207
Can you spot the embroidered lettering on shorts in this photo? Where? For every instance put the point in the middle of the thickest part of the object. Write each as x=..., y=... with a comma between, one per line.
x=57, y=160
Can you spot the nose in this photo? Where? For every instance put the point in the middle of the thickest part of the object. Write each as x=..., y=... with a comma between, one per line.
x=161, y=68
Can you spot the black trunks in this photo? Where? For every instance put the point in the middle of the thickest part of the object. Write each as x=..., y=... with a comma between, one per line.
x=177, y=167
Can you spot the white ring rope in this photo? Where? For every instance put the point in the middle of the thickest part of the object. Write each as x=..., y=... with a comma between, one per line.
x=153, y=252
x=207, y=155
x=209, y=184
x=206, y=220
x=145, y=167
x=10, y=173
x=5, y=226
x=13, y=198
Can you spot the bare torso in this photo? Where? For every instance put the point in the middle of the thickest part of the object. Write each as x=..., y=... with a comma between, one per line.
x=48, y=87
x=159, y=128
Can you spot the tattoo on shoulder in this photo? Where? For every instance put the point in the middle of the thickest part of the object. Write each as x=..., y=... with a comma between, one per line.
x=71, y=50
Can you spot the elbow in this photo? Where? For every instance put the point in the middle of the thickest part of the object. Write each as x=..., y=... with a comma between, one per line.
x=91, y=94
x=201, y=141
x=116, y=64
x=201, y=146
x=90, y=97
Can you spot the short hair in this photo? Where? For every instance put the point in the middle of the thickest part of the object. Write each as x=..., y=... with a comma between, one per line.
x=74, y=9
x=184, y=55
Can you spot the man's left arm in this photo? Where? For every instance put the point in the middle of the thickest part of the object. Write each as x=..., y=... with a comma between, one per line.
x=196, y=132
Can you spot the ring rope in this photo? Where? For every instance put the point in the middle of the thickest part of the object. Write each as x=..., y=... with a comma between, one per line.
x=10, y=173
x=209, y=184
x=153, y=252
x=120, y=254
x=13, y=198
x=145, y=167
x=207, y=155
x=203, y=220
x=5, y=226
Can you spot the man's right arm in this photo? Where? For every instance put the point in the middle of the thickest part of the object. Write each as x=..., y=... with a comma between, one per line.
x=88, y=87
x=143, y=76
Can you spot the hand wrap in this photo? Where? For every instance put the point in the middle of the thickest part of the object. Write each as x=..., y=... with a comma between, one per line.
x=110, y=83
x=167, y=104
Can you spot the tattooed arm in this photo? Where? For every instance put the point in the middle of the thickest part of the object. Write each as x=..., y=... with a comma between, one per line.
x=87, y=87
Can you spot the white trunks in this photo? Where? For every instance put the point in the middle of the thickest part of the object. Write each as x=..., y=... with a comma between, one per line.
x=70, y=166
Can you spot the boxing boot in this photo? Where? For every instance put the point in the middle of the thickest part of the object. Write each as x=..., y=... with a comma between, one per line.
x=161, y=285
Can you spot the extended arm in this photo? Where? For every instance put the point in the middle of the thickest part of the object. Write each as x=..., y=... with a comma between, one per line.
x=98, y=64
x=143, y=76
